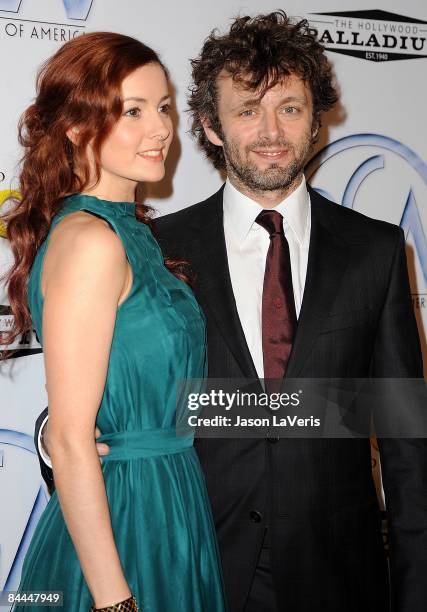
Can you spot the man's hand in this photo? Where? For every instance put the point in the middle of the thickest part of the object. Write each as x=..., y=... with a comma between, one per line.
x=102, y=448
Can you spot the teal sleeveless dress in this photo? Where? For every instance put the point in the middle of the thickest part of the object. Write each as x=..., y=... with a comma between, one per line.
x=159, y=507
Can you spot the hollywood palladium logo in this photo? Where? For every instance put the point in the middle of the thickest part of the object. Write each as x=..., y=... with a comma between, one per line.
x=75, y=9
x=373, y=35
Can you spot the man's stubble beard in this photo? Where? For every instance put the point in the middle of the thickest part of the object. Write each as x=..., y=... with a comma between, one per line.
x=275, y=177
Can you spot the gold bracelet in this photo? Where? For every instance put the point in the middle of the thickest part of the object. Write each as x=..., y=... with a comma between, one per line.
x=128, y=605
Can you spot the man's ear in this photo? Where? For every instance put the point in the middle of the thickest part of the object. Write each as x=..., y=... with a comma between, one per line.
x=73, y=135
x=315, y=129
x=211, y=135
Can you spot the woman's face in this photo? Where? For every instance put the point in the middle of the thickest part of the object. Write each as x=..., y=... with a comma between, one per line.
x=137, y=146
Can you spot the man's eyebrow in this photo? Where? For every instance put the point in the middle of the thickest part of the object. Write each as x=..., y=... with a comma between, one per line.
x=142, y=100
x=249, y=102
x=253, y=102
x=301, y=100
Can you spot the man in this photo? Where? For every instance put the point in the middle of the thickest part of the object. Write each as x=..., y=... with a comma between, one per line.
x=293, y=285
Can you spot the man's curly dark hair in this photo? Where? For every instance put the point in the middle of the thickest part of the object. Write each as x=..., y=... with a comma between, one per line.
x=258, y=52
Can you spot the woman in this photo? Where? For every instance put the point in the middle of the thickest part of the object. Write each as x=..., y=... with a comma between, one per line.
x=118, y=330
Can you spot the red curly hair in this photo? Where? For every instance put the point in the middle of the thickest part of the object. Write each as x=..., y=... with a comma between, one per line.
x=78, y=86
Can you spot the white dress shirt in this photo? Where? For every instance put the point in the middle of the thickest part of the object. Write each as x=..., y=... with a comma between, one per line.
x=247, y=245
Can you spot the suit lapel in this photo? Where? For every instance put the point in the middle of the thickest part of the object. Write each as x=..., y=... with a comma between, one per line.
x=327, y=261
x=214, y=283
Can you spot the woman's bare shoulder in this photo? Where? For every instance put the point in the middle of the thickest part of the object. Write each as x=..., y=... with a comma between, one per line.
x=84, y=241
x=83, y=233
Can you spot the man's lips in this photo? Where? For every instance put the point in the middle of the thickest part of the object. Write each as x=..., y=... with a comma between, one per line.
x=271, y=154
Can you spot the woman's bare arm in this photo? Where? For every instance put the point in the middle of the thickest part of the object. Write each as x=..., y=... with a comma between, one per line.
x=85, y=275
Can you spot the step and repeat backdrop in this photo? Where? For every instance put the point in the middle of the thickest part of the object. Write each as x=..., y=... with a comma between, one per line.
x=372, y=157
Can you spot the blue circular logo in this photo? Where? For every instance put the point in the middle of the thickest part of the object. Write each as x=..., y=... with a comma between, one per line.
x=378, y=176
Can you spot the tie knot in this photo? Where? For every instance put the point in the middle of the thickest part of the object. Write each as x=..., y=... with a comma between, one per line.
x=271, y=220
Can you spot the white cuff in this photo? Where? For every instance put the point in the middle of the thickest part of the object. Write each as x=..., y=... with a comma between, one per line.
x=44, y=456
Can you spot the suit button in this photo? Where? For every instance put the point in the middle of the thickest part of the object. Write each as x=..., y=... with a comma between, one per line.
x=255, y=516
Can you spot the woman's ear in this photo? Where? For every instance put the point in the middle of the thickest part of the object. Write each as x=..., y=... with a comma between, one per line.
x=73, y=135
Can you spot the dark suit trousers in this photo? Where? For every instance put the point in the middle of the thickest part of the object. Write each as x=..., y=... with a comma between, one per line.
x=262, y=595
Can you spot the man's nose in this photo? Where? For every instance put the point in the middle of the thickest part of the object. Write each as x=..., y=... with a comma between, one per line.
x=270, y=126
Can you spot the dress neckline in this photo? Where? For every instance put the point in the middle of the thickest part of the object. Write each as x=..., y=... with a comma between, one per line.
x=107, y=206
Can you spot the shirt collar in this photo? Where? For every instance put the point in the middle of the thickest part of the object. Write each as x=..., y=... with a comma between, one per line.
x=240, y=211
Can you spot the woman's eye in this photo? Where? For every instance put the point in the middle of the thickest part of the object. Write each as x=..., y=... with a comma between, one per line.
x=133, y=112
x=165, y=108
x=290, y=110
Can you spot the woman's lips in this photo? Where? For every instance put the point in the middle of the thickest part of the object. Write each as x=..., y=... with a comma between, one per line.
x=155, y=155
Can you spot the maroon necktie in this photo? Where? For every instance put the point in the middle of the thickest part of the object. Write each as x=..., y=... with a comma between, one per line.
x=278, y=306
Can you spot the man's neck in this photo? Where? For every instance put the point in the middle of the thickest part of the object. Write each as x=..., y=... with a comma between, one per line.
x=266, y=199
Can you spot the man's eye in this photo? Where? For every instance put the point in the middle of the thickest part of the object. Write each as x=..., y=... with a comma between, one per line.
x=290, y=110
x=165, y=109
x=133, y=112
x=247, y=113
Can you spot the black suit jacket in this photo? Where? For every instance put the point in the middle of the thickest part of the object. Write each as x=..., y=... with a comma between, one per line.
x=317, y=496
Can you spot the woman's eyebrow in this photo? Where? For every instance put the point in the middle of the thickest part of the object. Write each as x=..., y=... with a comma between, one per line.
x=138, y=99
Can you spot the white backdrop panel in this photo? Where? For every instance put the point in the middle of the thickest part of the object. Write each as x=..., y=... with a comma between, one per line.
x=373, y=154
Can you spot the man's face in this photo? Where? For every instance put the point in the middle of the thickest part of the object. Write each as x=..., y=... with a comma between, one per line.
x=266, y=140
